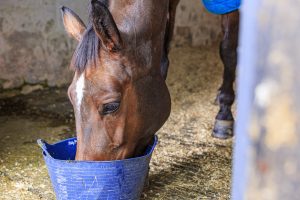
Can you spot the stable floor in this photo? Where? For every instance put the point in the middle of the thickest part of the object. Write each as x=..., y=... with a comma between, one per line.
x=187, y=163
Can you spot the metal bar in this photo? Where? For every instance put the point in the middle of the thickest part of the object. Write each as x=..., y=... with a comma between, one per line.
x=267, y=149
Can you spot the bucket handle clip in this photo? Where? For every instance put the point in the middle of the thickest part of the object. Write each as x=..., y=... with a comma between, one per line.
x=43, y=144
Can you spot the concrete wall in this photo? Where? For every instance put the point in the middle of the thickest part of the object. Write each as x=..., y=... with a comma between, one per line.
x=194, y=25
x=34, y=48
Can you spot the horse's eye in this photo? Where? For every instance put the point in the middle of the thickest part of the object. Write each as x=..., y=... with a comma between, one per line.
x=110, y=108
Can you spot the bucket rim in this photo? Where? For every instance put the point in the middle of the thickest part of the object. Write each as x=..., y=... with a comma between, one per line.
x=47, y=155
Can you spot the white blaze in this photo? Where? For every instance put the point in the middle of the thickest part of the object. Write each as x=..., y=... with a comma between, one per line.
x=79, y=90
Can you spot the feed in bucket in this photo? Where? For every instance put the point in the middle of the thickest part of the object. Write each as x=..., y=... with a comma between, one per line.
x=118, y=179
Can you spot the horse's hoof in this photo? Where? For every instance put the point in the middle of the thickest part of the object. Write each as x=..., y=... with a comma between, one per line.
x=223, y=129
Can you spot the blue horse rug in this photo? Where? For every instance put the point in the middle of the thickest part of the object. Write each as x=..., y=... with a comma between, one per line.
x=221, y=6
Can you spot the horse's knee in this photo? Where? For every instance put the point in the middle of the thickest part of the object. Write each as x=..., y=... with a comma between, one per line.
x=223, y=129
x=228, y=54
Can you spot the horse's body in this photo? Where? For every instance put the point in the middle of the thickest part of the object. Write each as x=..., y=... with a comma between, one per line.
x=119, y=93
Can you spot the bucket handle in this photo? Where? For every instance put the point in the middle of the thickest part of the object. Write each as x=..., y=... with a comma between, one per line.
x=42, y=144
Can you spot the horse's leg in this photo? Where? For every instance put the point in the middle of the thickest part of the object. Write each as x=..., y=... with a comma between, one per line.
x=228, y=51
x=168, y=37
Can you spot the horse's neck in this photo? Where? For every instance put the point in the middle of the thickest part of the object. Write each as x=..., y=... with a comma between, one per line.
x=142, y=26
x=139, y=19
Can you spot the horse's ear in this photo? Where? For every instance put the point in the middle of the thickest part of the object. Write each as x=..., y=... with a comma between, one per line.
x=73, y=24
x=105, y=26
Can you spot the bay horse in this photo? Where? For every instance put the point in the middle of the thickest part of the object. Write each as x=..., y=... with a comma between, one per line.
x=118, y=92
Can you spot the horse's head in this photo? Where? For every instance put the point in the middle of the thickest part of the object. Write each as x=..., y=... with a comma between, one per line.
x=120, y=100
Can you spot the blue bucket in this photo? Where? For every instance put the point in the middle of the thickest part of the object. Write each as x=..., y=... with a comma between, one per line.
x=119, y=179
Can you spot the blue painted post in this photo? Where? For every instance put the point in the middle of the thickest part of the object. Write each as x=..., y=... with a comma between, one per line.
x=267, y=149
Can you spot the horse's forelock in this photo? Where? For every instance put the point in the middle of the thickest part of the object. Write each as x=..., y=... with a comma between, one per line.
x=87, y=50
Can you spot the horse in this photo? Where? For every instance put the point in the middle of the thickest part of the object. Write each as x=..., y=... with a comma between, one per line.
x=118, y=92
